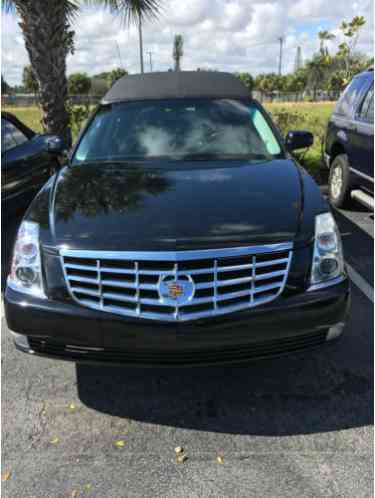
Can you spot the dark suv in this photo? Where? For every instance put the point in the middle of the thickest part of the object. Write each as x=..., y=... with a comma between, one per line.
x=349, y=146
x=181, y=231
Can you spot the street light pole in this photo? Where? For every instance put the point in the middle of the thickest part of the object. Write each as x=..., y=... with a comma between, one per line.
x=140, y=44
x=150, y=55
x=281, y=40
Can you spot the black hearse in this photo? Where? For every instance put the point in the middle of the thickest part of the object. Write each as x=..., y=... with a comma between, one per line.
x=181, y=232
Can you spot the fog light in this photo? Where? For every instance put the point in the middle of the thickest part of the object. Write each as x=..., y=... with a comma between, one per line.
x=20, y=339
x=328, y=266
x=335, y=331
x=26, y=275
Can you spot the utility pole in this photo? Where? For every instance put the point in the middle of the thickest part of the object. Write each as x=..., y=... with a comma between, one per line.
x=298, y=62
x=119, y=55
x=281, y=40
x=150, y=55
x=141, y=44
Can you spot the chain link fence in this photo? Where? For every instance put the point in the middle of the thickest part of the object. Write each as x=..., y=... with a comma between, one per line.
x=306, y=96
x=30, y=100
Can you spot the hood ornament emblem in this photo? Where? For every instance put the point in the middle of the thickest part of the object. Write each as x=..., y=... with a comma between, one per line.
x=176, y=291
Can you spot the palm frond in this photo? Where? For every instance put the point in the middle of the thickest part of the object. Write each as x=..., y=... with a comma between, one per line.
x=71, y=7
x=131, y=11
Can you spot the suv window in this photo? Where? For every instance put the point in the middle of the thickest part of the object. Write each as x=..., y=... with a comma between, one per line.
x=11, y=136
x=350, y=97
x=370, y=109
x=366, y=112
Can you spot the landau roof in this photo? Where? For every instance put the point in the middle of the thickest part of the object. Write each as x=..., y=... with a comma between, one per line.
x=182, y=84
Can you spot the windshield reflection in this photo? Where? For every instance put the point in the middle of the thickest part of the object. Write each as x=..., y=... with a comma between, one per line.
x=178, y=129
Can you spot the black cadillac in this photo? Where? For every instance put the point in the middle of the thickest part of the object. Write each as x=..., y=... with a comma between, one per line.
x=180, y=232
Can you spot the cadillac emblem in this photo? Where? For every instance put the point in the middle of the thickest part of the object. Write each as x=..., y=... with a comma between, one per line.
x=176, y=291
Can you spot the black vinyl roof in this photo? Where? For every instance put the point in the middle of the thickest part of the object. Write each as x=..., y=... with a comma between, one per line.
x=183, y=84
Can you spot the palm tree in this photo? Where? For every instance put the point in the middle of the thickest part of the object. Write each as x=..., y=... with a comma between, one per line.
x=316, y=74
x=178, y=51
x=325, y=36
x=46, y=27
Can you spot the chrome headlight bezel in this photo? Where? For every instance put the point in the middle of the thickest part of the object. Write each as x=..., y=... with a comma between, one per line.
x=328, y=259
x=26, y=269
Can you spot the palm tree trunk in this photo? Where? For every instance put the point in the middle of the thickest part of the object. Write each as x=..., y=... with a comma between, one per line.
x=45, y=28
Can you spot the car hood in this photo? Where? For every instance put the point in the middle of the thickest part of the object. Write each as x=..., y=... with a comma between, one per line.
x=178, y=206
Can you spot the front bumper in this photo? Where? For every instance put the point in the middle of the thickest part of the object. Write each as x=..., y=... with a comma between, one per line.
x=68, y=331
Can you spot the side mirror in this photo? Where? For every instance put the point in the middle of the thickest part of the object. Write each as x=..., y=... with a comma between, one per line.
x=55, y=145
x=299, y=140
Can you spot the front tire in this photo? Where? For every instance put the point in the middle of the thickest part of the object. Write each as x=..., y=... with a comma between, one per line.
x=339, y=181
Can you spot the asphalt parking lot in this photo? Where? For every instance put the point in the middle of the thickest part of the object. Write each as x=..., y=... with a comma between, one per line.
x=294, y=427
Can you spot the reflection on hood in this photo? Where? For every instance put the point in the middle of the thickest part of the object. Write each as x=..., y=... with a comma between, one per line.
x=90, y=190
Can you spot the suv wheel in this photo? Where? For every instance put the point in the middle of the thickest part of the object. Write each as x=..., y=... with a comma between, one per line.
x=339, y=181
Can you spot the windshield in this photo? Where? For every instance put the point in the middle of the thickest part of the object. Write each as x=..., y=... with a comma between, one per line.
x=179, y=129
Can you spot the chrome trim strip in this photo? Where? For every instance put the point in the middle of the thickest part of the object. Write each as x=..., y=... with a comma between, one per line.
x=362, y=175
x=272, y=274
x=177, y=256
x=82, y=290
x=270, y=263
x=328, y=283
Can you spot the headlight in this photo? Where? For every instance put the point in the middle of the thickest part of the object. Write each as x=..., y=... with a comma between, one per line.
x=328, y=260
x=26, y=272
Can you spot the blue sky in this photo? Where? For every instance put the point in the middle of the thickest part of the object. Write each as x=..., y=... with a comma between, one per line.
x=233, y=35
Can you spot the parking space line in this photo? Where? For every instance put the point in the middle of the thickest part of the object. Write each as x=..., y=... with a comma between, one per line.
x=360, y=282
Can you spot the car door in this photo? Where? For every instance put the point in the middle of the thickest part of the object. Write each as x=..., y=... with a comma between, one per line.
x=25, y=163
x=362, y=163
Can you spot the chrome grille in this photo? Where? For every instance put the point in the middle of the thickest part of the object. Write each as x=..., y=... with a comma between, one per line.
x=220, y=281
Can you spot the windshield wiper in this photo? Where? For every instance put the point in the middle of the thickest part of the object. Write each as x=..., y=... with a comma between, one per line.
x=225, y=157
x=103, y=161
x=203, y=156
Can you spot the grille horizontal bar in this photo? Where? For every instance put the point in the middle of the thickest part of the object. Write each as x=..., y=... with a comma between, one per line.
x=220, y=281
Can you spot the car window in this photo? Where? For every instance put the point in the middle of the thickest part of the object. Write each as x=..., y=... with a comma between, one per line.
x=370, y=109
x=179, y=129
x=366, y=112
x=7, y=140
x=11, y=136
x=352, y=94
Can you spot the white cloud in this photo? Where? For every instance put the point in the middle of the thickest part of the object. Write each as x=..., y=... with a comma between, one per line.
x=233, y=35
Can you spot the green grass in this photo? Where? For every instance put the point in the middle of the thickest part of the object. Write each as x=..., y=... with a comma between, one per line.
x=288, y=116
x=30, y=116
x=309, y=116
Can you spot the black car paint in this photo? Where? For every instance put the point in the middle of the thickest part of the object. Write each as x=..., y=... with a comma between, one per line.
x=64, y=330
x=348, y=134
x=25, y=167
x=175, y=206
